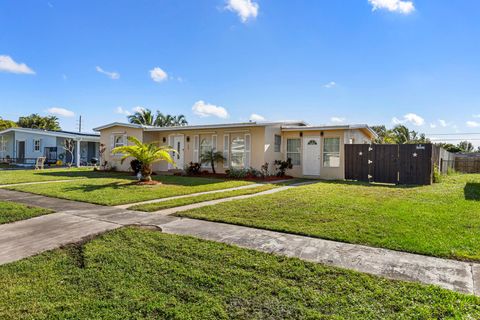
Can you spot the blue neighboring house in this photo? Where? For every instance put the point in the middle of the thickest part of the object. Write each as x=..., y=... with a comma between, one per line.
x=22, y=146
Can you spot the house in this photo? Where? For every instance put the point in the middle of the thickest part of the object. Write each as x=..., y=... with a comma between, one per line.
x=22, y=146
x=316, y=151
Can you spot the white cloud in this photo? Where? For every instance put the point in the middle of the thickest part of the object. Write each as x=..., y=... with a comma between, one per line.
x=337, y=119
x=473, y=124
x=476, y=115
x=410, y=118
x=245, y=9
x=111, y=75
x=61, y=112
x=121, y=110
x=433, y=125
x=330, y=85
x=443, y=123
x=256, y=117
x=400, y=6
x=202, y=109
x=7, y=64
x=158, y=75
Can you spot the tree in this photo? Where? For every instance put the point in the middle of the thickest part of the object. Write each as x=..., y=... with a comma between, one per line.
x=143, y=117
x=211, y=157
x=5, y=124
x=449, y=147
x=466, y=146
x=400, y=134
x=35, y=121
x=383, y=135
x=147, y=154
x=179, y=120
x=69, y=147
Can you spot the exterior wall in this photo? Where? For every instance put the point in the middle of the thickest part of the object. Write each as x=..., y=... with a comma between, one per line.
x=45, y=141
x=356, y=136
x=257, y=144
x=106, y=140
x=325, y=172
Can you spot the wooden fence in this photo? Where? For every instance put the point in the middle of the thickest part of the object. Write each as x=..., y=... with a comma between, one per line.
x=390, y=163
x=467, y=164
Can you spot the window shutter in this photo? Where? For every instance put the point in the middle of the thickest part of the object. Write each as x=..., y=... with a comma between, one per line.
x=247, y=150
x=214, y=142
x=195, y=148
x=226, y=147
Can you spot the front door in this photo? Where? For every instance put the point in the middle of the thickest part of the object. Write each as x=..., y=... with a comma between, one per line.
x=311, y=156
x=178, y=145
x=21, y=151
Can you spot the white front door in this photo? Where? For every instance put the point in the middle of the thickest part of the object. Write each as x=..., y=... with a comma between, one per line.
x=178, y=145
x=311, y=156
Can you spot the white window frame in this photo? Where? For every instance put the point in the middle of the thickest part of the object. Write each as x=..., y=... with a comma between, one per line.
x=37, y=145
x=244, y=152
x=208, y=138
x=330, y=153
x=299, y=152
x=226, y=150
x=119, y=144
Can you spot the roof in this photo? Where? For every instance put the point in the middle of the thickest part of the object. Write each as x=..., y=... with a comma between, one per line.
x=60, y=133
x=203, y=126
x=330, y=127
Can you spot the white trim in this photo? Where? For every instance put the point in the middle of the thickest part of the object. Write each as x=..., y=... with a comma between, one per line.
x=214, y=142
x=196, y=146
x=89, y=138
x=226, y=150
x=119, y=124
x=248, y=150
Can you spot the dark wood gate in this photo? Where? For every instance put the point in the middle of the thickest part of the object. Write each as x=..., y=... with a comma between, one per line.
x=389, y=163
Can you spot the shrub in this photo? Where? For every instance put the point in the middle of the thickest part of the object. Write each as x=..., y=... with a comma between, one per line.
x=451, y=170
x=192, y=169
x=237, y=173
x=264, y=170
x=282, y=166
x=437, y=176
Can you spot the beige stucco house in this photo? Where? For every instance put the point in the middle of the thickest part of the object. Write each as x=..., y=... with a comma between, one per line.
x=316, y=151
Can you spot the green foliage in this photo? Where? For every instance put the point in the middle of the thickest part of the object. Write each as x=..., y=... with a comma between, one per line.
x=146, y=117
x=134, y=273
x=6, y=124
x=237, y=173
x=35, y=121
x=439, y=220
x=282, y=166
x=11, y=211
x=146, y=153
x=193, y=169
x=466, y=146
x=437, y=175
x=400, y=134
x=212, y=157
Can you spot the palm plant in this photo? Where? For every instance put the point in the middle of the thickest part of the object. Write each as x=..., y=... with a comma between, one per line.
x=166, y=120
x=211, y=157
x=147, y=154
x=180, y=120
x=143, y=117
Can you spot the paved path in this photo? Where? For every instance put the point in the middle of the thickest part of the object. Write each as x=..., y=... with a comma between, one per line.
x=29, y=237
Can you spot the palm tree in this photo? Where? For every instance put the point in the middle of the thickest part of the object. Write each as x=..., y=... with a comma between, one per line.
x=166, y=120
x=143, y=117
x=180, y=120
x=147, y=154
x=212, y=157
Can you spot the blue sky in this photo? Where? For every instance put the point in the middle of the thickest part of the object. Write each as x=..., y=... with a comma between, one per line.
x=353, y=61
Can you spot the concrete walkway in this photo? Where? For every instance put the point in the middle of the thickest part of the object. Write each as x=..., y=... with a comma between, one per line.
x=29, y=237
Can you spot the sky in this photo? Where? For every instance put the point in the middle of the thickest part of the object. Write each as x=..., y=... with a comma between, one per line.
x=326, y=62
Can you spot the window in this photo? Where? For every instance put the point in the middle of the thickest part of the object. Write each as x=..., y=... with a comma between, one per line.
x=293, y=151
x=278, y=143
x=331, y=152
x=118, y=141
x=205, y=145
x=312, y=143
x=36, y=145
x=237, y=153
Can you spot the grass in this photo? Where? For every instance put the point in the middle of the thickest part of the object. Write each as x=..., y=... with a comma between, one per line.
x=22, y=176
x=135, y=273
x=440, y=220
x=122, y=190
x=11, y=212
x=151, y=207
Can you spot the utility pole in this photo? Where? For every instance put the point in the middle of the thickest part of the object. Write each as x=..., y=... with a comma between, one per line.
x=80, y=124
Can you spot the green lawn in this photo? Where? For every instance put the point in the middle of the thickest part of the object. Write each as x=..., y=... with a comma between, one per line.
x=440, y=220
x=10, y=212
x=21, y=176
x=134, y=273
x=115, y=191
x=151, y=207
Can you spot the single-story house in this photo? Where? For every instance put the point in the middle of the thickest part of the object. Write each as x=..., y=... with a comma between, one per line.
x=22, y=146
x=316, y=151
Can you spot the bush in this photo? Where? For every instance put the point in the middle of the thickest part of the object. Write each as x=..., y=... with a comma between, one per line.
x=192, y=169
x=283, y=166
x=437, y=176
x=451, y=170
x=237, y=173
